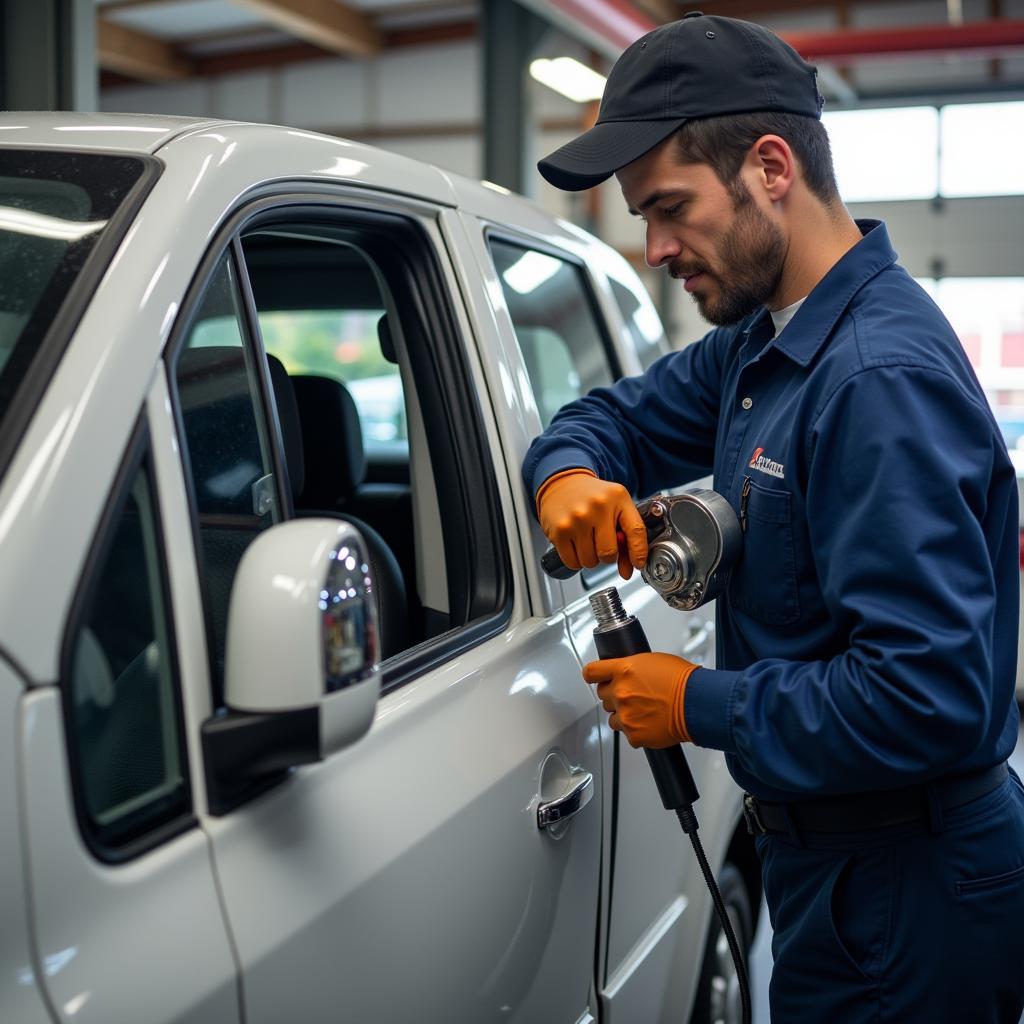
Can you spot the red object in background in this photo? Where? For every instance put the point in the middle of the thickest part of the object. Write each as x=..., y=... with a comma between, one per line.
x=972, y=346
x=1013, y=348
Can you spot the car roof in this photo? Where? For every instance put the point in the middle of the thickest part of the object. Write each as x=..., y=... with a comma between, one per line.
x=148, y=133
x=127, y=133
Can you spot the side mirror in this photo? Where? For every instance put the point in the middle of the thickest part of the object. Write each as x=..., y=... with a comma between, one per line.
x=302, y=666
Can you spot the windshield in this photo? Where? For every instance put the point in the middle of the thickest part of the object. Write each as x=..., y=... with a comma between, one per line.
x=55, y=208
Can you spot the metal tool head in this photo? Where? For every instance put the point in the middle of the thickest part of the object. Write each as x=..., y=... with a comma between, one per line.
x=694, y=541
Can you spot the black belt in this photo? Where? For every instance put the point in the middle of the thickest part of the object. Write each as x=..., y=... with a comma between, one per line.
x=862, y=811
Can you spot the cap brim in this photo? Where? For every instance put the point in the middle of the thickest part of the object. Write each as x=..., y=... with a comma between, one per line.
x=597, y=154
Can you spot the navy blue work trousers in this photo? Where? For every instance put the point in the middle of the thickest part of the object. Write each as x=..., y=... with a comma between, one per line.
x=914, y=923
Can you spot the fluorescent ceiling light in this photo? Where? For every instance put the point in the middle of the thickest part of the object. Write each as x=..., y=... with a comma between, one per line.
x=530, y=271
x=25, y=222
x=569, y=77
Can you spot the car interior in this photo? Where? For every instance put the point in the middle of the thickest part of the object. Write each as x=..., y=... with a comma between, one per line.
x=389, y=491
x=339, y=474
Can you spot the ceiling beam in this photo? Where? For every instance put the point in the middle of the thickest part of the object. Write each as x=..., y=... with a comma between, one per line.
x=325, y=23
x=275, y=56
x=137, y=55
x=981, y=38
x=754, y=9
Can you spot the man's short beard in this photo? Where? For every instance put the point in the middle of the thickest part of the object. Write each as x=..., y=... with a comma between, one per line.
x=750, y=262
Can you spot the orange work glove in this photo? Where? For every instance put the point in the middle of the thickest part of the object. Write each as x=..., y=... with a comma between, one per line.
x=644, y=695
x=580, y=515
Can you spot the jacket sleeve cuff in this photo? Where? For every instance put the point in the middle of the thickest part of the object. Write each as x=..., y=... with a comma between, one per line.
x=558, y=462
x=708, y=704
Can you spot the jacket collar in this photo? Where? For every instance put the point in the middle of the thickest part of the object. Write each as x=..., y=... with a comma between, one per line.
x=814, y=320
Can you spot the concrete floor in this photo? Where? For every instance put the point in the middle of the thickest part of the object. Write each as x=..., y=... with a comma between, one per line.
x=761, y=955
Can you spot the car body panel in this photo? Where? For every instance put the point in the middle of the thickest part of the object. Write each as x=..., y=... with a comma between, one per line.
x=110, y=133
x=20, y=996
x=138, y=941
x=357, y=871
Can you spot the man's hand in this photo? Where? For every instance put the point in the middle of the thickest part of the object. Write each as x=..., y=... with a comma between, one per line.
x=580, y=514
x=644, y=696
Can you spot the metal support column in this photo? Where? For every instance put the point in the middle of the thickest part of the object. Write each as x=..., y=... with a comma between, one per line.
x=48, y=55
x=509, y=35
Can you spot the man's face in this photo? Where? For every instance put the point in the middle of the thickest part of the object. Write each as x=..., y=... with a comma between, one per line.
x=728, y=252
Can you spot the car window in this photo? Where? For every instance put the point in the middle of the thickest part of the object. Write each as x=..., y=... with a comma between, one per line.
x=352, y=307
x=641, y=324
x=321, y=313
x=343, y=344
x=127, y=748
x=54, y=209
x=560, y=337
x=227, y=442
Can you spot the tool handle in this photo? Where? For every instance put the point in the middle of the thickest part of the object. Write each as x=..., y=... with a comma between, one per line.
x=551, y=562
x=673, y=776
x=668, y=765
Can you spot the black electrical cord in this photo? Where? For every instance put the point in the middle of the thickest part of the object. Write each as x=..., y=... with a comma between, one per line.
x=688, y=820
x=619, y=635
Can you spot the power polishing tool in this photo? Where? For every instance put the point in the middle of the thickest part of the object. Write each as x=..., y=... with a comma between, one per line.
x=694, y=539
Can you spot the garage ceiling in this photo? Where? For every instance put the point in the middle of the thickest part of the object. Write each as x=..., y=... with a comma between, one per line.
x=871, y=50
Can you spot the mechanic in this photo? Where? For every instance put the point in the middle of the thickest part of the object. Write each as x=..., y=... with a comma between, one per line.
x=867, y=640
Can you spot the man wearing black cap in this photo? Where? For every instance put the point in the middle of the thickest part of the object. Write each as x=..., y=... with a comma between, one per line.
x=866, y=656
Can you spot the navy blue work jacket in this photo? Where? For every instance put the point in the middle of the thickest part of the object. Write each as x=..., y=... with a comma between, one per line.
x=868, y=636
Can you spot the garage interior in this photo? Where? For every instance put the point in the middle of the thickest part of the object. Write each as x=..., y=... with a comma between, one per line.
x=924, y=106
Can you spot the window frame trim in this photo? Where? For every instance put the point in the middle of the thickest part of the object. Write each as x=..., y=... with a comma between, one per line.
x=137, y=456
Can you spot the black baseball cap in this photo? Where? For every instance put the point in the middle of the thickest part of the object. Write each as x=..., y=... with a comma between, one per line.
x=699, y=66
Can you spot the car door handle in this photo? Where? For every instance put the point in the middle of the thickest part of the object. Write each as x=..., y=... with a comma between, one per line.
x=572, y=801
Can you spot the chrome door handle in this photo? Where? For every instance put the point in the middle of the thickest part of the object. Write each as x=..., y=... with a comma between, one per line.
x=571, y=802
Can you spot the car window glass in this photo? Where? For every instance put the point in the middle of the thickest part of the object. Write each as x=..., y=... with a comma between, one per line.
x=641, y=324
x=343, y=344
x=350, y=306
x=559, y=335
x=321, y=312
x=54, y=209
x=127, y=747
x=227, y=440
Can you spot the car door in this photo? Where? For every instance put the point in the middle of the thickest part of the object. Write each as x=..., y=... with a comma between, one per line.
x=405, y=878
x=656, y=901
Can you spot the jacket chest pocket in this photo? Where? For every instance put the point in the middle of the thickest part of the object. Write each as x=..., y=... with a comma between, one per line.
x=763, y=583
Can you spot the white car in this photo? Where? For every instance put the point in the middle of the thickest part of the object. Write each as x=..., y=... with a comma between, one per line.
x=227, y=795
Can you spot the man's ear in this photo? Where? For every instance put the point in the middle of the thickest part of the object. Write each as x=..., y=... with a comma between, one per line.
x=775, y=167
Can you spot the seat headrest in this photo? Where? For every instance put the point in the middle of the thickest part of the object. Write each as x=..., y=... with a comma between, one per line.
x=387, y=341
x=291, y=428
x=332, y=440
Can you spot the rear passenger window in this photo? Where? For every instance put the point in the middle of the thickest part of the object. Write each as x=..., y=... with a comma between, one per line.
x=641, y=324
x=559, y=334
x=125, y=734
